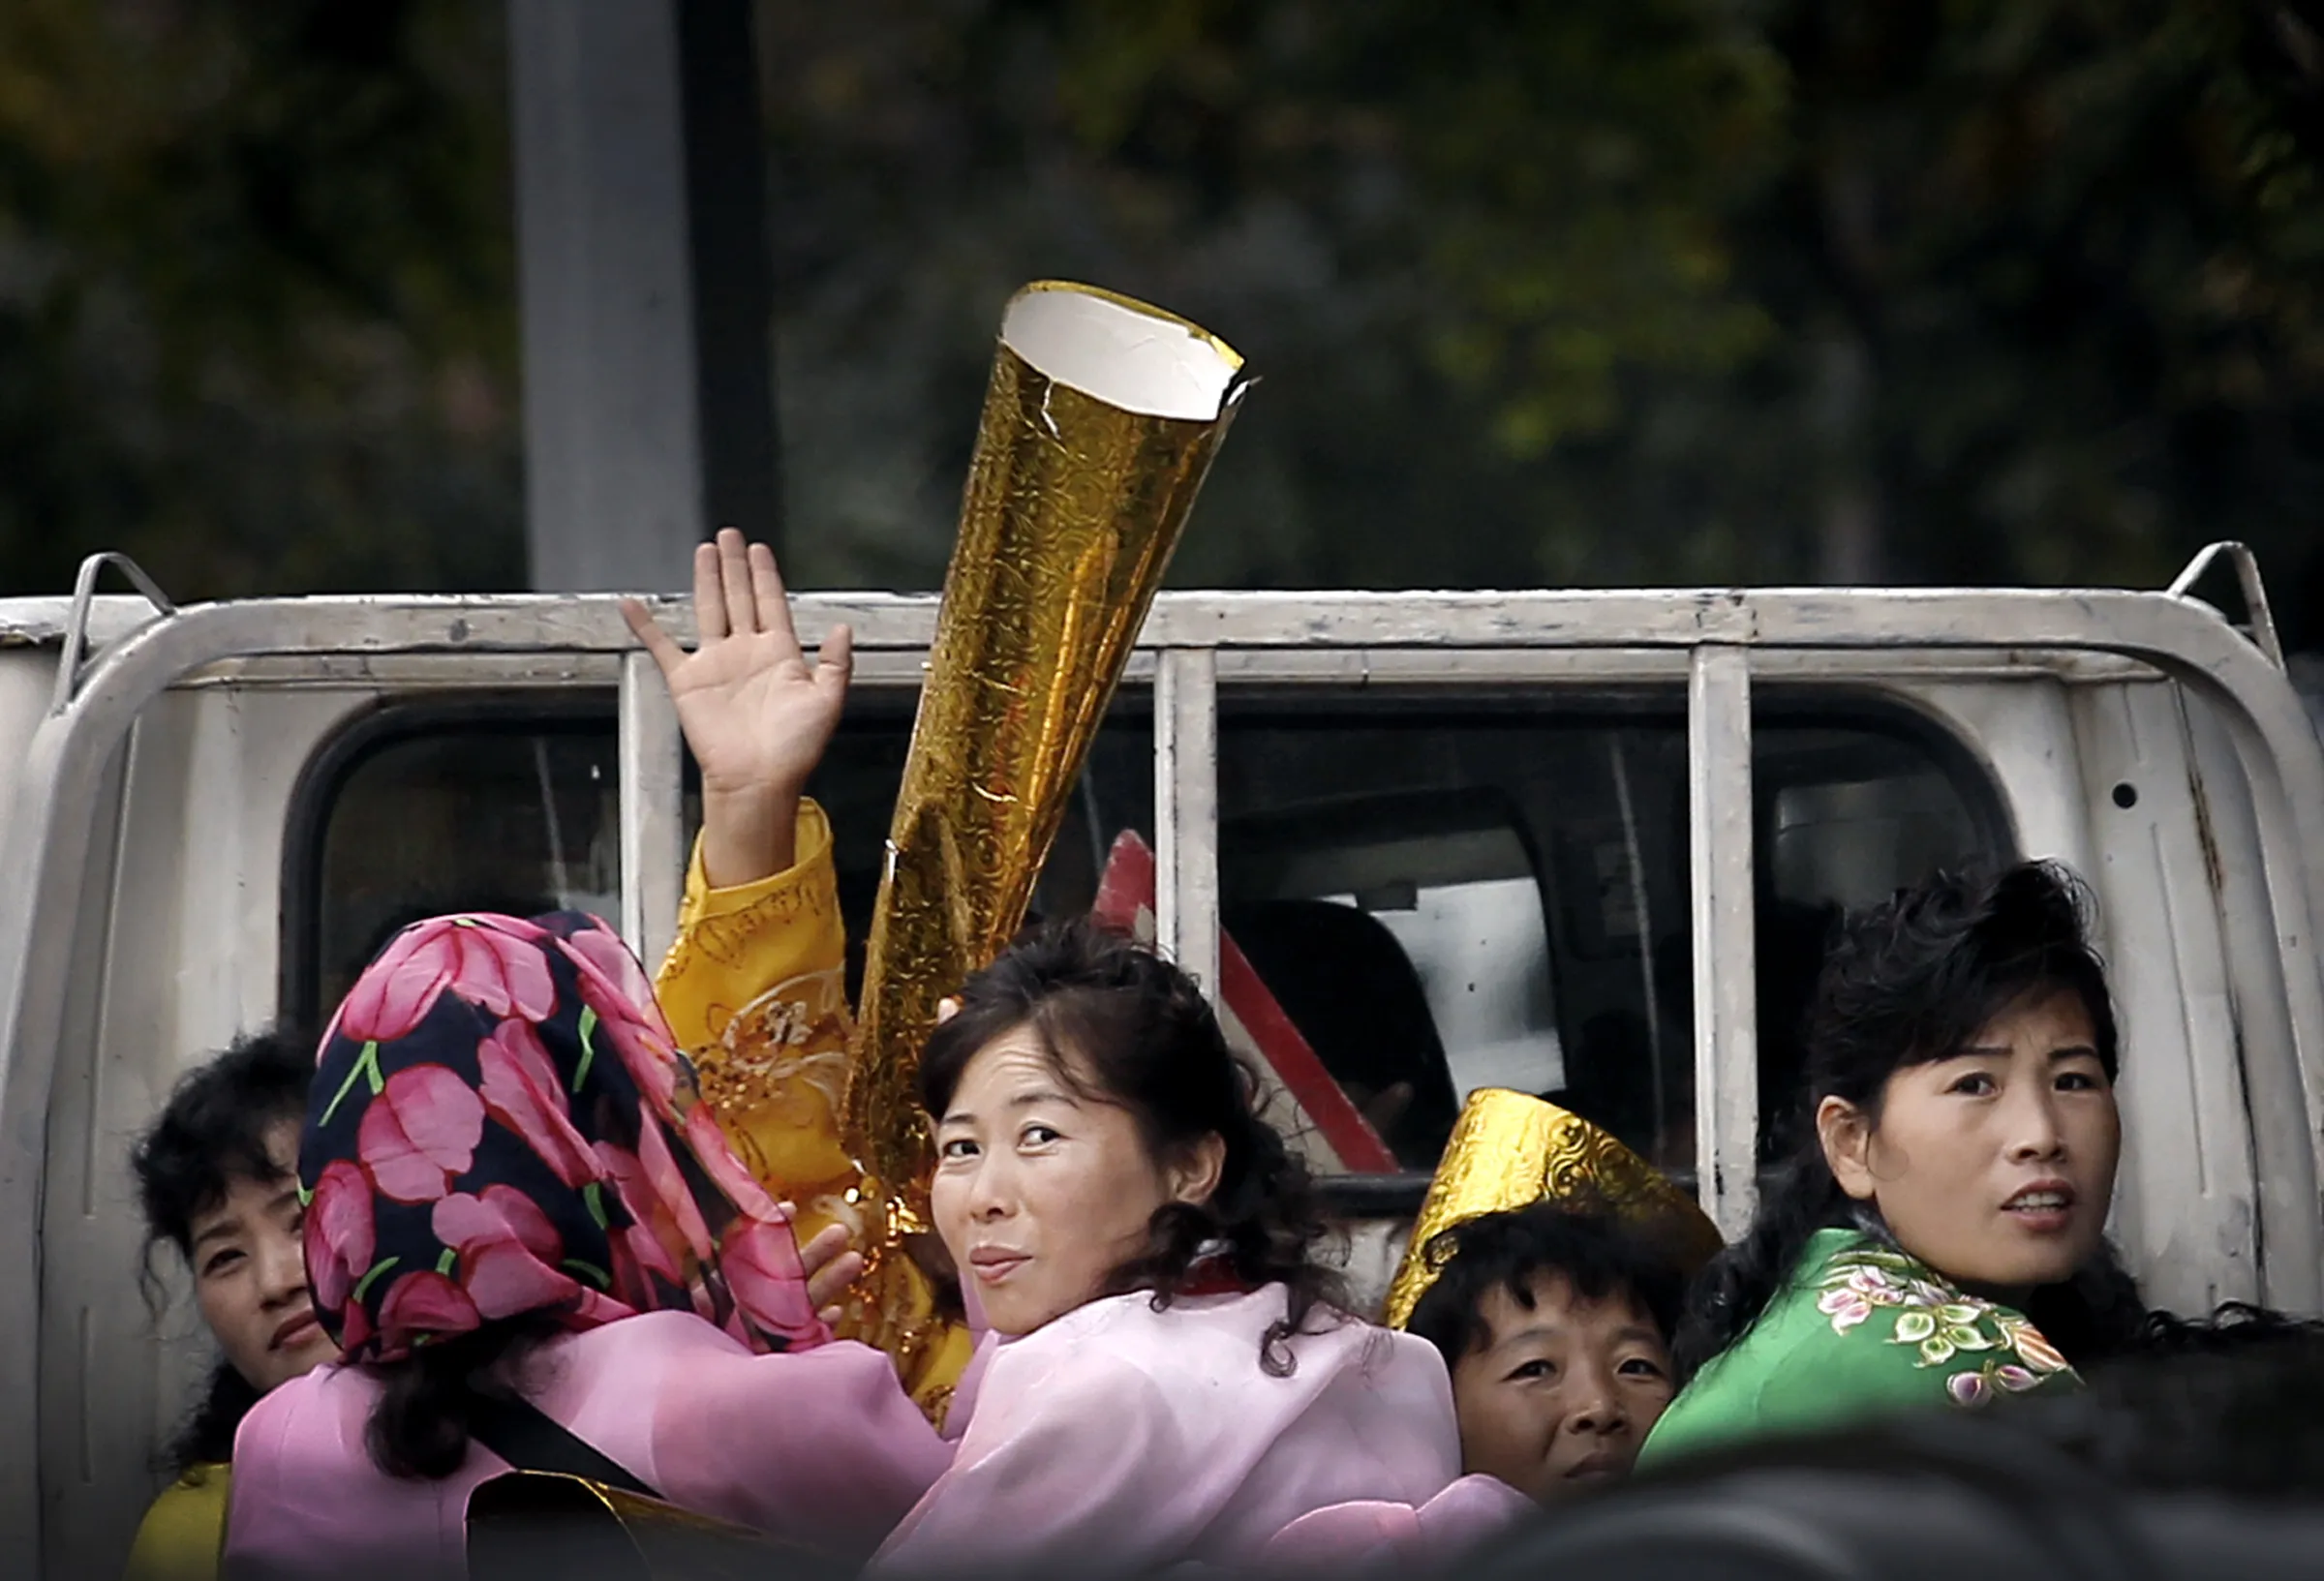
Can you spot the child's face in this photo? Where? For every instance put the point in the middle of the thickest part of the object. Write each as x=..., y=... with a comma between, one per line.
x=1559, y=1397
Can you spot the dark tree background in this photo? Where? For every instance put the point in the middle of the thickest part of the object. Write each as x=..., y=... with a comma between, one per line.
x=1601, y=291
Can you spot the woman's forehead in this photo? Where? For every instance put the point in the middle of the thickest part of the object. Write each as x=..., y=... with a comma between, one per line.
x=2053, y=1012
x=1555, y=1304
x=1019, y=1059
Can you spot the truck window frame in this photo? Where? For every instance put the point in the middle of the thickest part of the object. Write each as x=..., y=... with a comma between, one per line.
x=389, y=724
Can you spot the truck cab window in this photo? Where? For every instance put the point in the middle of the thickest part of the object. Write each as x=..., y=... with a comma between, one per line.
x=1847, y=811
x=1441, y=899
x=1436, y=898
x=1447, y=899
x=513, y=804
x=507, y=806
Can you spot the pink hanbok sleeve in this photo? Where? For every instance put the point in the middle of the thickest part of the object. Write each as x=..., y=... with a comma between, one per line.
x=1341, y=1539
x=819, y=1448
x=1078, y=1461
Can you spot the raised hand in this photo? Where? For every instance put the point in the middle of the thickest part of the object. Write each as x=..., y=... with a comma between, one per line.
x=755, y=713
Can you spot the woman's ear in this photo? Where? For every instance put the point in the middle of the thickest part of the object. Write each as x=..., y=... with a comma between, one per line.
x=1845, y=1132
x=1194, y=1177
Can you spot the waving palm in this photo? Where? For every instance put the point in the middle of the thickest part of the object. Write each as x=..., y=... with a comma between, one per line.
x=755, y=713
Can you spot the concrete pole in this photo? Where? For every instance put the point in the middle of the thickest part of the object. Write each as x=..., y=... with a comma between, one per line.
x=646, y=310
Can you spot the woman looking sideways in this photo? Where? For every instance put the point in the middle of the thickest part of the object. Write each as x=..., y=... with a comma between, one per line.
x=217, y=1178
x=1169, y=1379
x=1939, y=1234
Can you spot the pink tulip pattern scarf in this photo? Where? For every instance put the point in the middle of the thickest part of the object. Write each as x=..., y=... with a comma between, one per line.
x=501, y=1125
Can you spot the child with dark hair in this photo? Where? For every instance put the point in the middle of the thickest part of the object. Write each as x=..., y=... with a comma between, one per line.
x=1555, y=1323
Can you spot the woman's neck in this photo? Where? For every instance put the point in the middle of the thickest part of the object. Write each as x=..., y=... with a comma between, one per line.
x=1868, y=1220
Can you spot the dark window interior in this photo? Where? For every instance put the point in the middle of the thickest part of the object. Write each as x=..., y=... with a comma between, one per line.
x=1449, y=898
x=508, y=803
x=1493, y=896
x=857, y=781
x=1439, y=898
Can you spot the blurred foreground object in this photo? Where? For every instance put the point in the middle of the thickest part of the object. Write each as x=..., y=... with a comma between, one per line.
x=529, y=1525
x=1099, y=426
x=2202, y=1455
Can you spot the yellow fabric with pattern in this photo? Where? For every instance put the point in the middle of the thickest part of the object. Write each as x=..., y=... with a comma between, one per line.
x=755, y=992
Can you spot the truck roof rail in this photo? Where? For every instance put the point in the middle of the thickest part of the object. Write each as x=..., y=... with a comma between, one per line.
x=77, y=623
x=2259, y=624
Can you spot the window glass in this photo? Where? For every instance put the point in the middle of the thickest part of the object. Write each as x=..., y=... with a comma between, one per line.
x=1443, y=900
x=1430, y=899
x=1847, y=812
x=513, y=809
x=513, y=804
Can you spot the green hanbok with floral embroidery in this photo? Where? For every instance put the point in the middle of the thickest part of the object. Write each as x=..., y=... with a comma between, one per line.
x=1862, y=1330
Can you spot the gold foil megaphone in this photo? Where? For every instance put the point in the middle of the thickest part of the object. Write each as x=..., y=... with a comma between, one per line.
x=1099, y=425
x=1509, y=1150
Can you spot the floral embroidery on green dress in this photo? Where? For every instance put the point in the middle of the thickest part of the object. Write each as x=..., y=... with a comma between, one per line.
x=1946, y=1327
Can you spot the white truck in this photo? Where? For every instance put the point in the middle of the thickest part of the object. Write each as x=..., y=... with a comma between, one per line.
x=1579, y=843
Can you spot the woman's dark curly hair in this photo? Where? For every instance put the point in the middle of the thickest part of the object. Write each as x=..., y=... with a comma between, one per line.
x=213, y=1132
x=1125, y=1026
x=1906, y=983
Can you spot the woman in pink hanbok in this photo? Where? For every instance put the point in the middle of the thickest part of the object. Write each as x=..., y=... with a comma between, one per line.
x=526, y=1233
x=1168, y=1377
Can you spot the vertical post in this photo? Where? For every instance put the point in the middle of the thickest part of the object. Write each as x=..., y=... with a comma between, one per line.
x=1187, y=811
x=645, y=286
x=733, y=267
x=1727, y=1038
x=653, y=828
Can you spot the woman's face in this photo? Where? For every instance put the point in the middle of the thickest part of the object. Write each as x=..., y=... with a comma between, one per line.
x=1558, y=1396
x=250, y=1272
x=1994, y=1166
x=1040, y=1193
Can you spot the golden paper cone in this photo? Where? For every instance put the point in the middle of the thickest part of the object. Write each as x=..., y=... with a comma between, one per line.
x=1509, y=1150
x=1099, y=425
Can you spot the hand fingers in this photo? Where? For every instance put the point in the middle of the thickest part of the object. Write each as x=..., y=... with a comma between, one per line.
x=834, y=661
x=772, y=604
x=710, y=598
x=825, y=1287
x=829, y=1242
x=734, y=579
x=667, y=655
x=831, y=1316
x=946, y=1010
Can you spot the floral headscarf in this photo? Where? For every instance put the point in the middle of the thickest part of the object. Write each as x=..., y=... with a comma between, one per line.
x=501, y=1124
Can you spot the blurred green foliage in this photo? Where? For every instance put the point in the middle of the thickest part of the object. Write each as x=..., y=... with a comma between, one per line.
x=1602, y=291
x=256, y=310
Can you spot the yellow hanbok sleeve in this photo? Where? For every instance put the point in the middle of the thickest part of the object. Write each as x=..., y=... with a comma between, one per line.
x=183, y=1534
x=756, y=992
